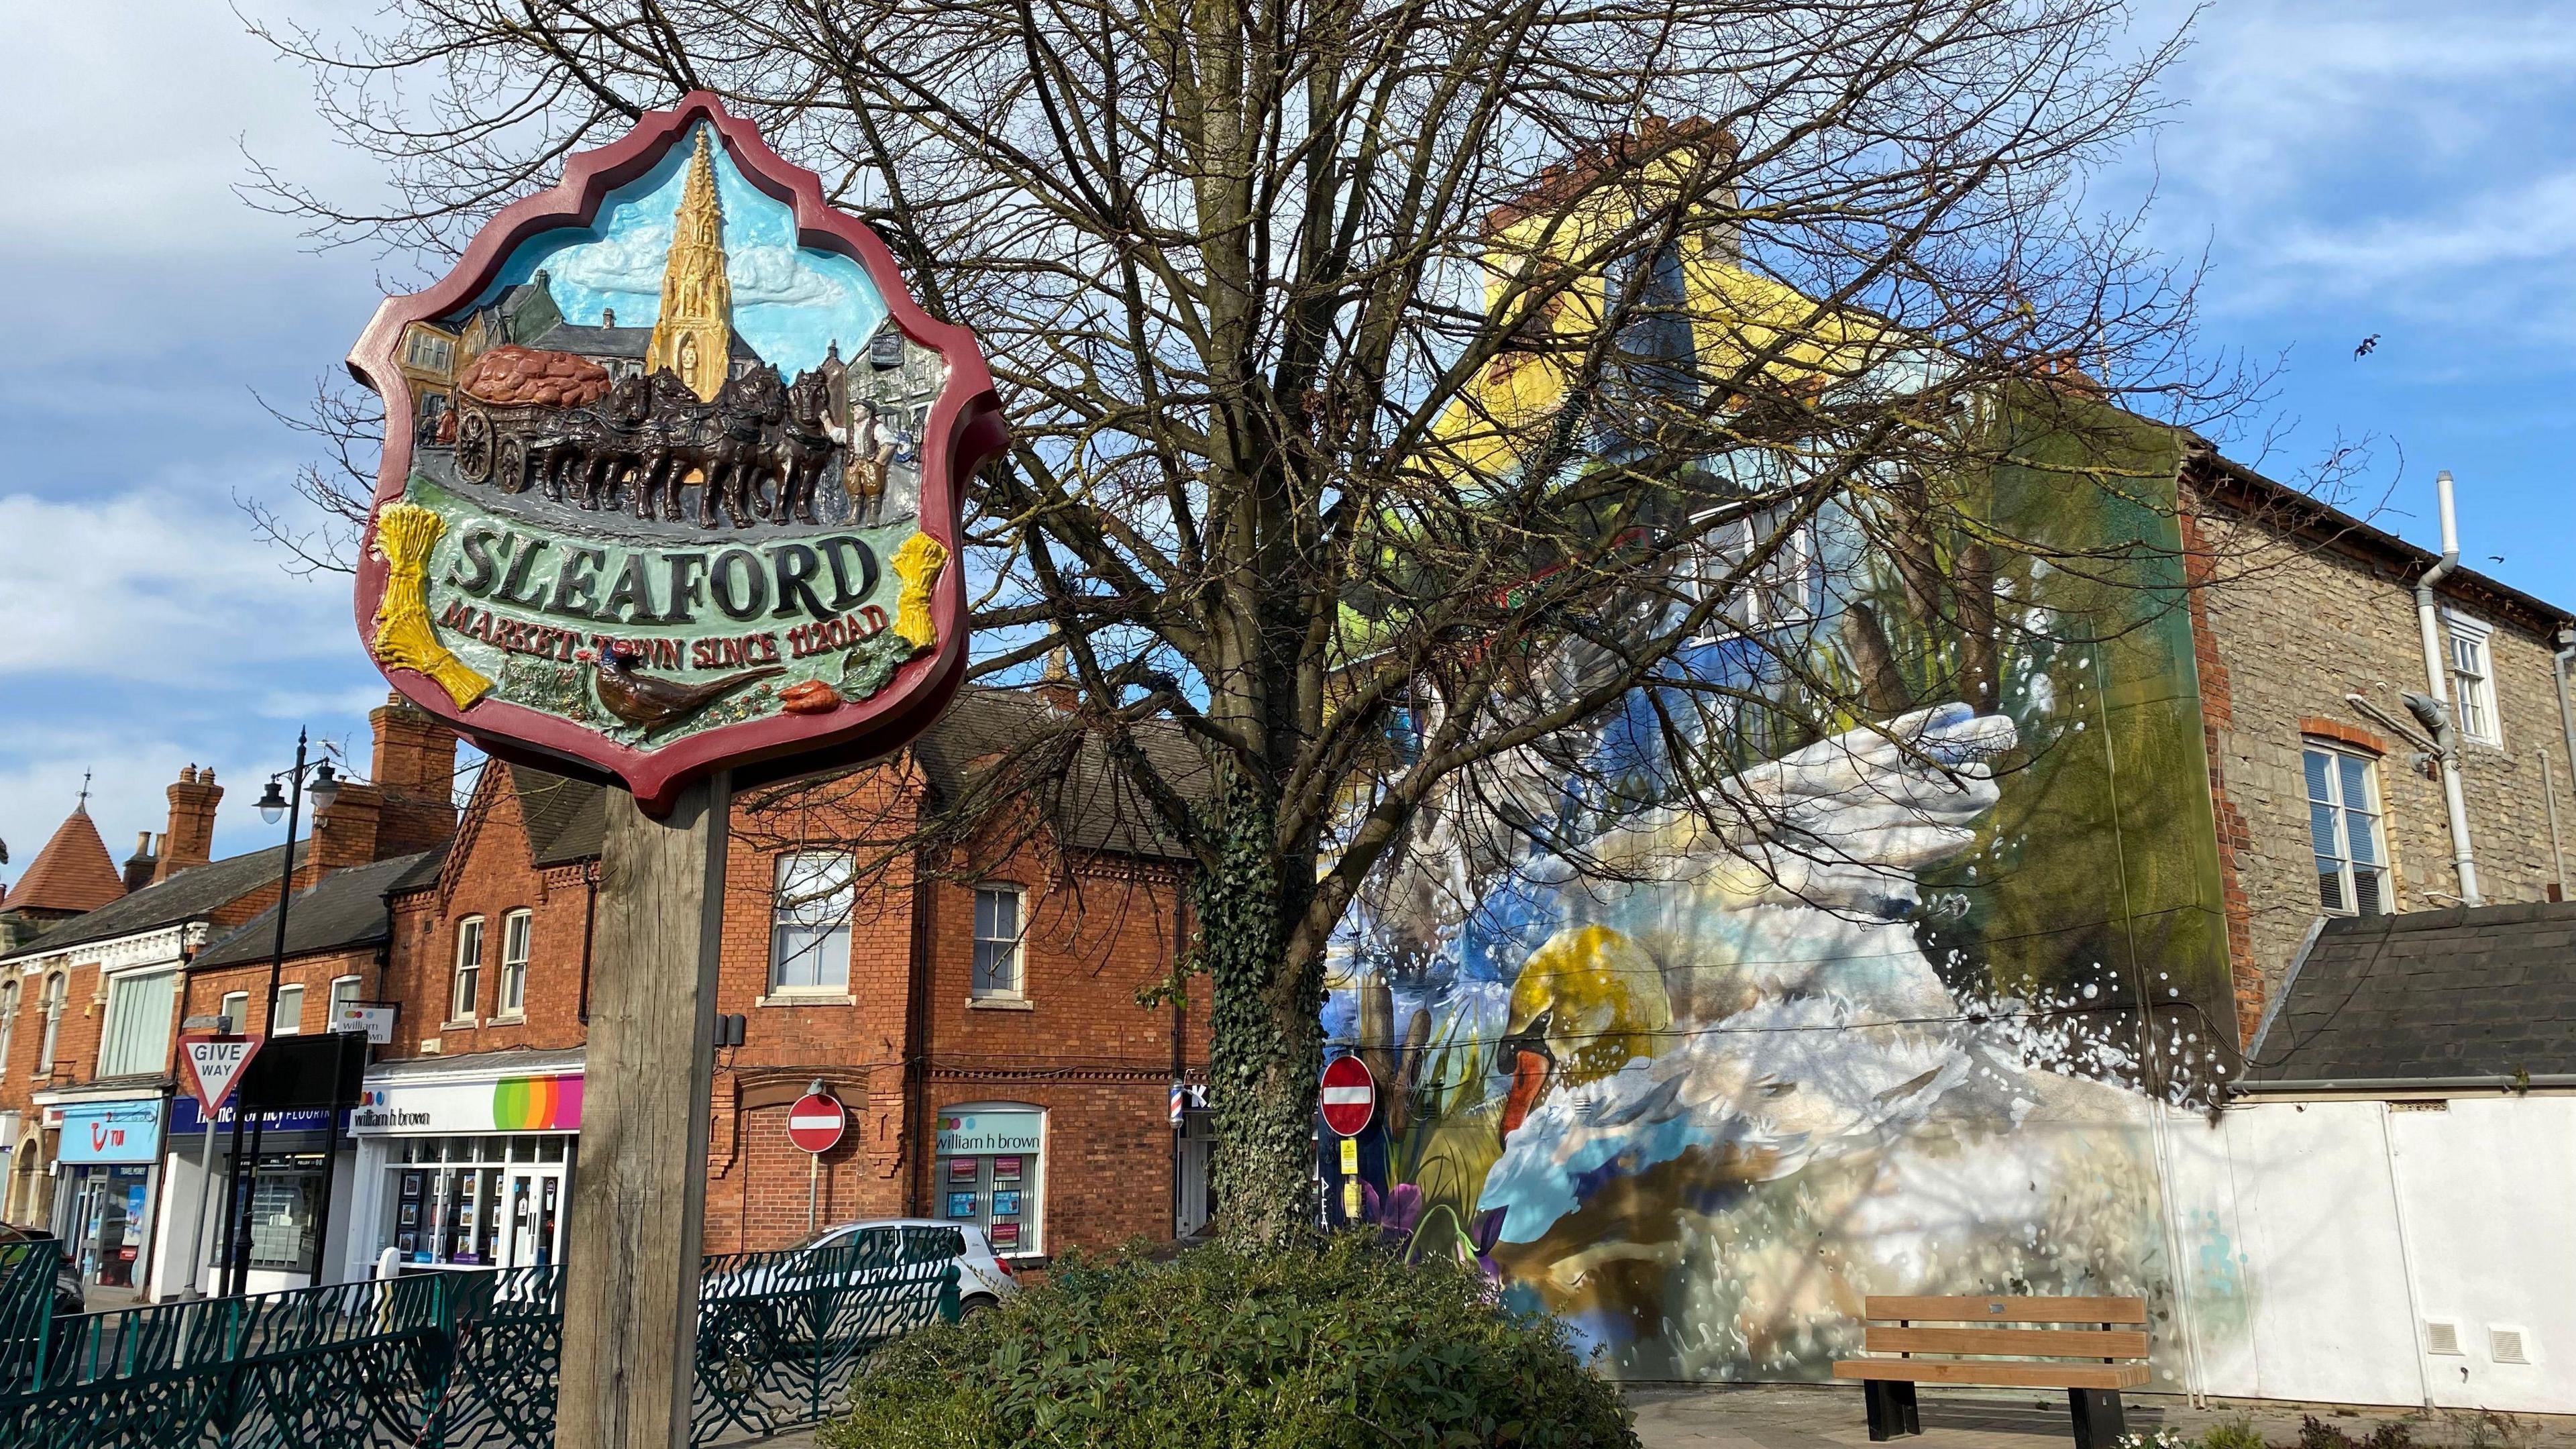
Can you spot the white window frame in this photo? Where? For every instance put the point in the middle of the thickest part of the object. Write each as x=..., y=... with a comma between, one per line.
x=804, y=902
x=335, y=999
x=157, y=1058
x=10, y=995
x=1012, y=947
x=2469, y=658
x=465, y=976
x=1778, y=595
x=288, y=993
x=57, y=995
x=2349, y=868
x=241, y=1017
x=518, y=933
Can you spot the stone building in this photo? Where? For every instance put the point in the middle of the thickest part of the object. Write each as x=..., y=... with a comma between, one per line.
x=2326, y=799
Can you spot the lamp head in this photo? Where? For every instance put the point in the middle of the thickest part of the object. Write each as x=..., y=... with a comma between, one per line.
x=326, y=788
x=272, y=806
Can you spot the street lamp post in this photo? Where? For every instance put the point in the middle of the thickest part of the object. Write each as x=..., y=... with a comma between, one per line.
x=326, y=788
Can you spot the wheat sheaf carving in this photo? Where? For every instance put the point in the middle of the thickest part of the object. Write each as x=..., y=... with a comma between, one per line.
x=405, y=534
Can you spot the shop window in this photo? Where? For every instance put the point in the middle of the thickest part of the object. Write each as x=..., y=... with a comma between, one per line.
x=2344, y=832
x=809, y=937
x=990, y=1172
x=478, y=1202
x=285, y=1214
x=236, y=1009
x=997, y=940
x=2472, y=681
x=136, y=1040
x=344, y=994
x=516, y=928
x=469, y=970
x=57, y=991
x=288, y=1020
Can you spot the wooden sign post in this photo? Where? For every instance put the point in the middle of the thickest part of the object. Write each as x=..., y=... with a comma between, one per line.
x=669, y=500
x=638, y=1188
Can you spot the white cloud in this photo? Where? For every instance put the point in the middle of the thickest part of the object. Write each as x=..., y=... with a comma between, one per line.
x=633, y=264
x=160, y=585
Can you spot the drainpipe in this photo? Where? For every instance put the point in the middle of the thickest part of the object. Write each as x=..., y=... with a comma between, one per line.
x=2563, y=660
x=2437, y=684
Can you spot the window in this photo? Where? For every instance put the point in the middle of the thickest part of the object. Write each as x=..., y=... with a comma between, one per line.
x=57, y=990
x=997, y=940
x=809, y=934
x=1782, y=591
x=236, y=1009
x=990, y=1172
x=516, y=927
x=2472, y=683
x=136, y=1040
x=2344, y=831
x=469, y=969
x=344, y=994
x=8, y=1019
x=289, y=1018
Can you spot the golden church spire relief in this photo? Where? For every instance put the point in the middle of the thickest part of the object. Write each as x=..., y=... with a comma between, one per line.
x=694, y=334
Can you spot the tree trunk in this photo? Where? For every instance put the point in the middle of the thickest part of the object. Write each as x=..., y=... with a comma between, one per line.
x=1267, y=1045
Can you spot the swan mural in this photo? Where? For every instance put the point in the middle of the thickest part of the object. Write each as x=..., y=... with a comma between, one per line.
x=1862, y=1018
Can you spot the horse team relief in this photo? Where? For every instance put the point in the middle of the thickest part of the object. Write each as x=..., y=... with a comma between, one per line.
x=674, y=455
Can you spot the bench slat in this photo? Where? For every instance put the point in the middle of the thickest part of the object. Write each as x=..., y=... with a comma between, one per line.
x=1999, y=1375
x=2011, y=1342
x=2008, y=1310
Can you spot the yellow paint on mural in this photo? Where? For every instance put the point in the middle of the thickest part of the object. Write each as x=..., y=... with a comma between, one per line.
x=405, y=534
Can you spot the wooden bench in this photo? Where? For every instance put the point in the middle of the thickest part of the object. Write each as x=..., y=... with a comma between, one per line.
x=2017, y=1358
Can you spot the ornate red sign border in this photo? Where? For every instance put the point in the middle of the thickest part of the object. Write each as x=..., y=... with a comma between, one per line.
x=964, y=429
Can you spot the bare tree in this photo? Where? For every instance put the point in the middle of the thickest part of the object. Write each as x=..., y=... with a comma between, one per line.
x=1397, y=385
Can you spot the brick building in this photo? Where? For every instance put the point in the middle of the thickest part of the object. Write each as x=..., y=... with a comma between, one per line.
x=90, y=1006
x=995, y=984
x=2325, y=801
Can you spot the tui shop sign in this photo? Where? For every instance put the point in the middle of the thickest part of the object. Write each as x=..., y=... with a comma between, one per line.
x=671, y=474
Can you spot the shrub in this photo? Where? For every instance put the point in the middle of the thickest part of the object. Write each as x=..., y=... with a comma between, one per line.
x=2316, y=1433
x=1334, y=1346
x=2237, y=1433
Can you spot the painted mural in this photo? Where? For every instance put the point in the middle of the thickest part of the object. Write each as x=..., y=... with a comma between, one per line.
x=1865, y=1014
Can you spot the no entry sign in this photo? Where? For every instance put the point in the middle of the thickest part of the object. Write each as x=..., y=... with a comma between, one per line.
x=816, y=1122
x=1350, y=1095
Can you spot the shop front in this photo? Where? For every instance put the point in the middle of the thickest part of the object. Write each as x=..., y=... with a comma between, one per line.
x=466, y=1169
x=291, y=1183
x=102, y=1206
x=990, y=1170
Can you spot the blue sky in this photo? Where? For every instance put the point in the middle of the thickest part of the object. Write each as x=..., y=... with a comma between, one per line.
x=2399, y=170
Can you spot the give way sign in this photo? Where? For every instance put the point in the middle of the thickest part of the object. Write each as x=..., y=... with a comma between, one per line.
x=211, y=1066
x=815, y=1122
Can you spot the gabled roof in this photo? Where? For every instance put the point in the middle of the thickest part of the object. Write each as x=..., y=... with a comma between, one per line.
x=191, y=895
x=72, y=873
x=345, y=910
x=2426, y=996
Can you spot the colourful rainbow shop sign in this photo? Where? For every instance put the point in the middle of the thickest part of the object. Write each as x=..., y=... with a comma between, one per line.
x=549, y=1103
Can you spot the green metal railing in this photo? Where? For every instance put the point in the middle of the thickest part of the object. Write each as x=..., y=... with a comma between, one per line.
x=461, y=1360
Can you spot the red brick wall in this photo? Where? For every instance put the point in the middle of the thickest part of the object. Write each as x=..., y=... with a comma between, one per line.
x=1083, y=1048
x=2218, y=713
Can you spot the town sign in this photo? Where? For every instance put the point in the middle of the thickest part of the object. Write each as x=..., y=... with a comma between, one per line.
x=671, y=473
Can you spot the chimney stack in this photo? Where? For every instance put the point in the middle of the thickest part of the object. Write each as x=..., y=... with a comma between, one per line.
x=191, y=839
x=415, y=771
x=138, y=866
x=349, y=832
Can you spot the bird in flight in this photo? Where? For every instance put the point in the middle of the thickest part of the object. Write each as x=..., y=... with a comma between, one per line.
x=2368, y=345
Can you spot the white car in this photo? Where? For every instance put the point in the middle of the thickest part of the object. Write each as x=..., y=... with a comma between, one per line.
x=983, y=1277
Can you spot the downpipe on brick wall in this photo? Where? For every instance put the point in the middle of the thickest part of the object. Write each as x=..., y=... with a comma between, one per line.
x=2437, y=684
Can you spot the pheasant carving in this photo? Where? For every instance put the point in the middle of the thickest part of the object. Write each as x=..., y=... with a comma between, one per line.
x=649, y=703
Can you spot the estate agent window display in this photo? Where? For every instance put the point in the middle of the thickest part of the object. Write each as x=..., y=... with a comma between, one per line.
x=990, y=1171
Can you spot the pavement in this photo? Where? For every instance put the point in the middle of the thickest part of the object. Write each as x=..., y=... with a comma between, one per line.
x=1817, y=1416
